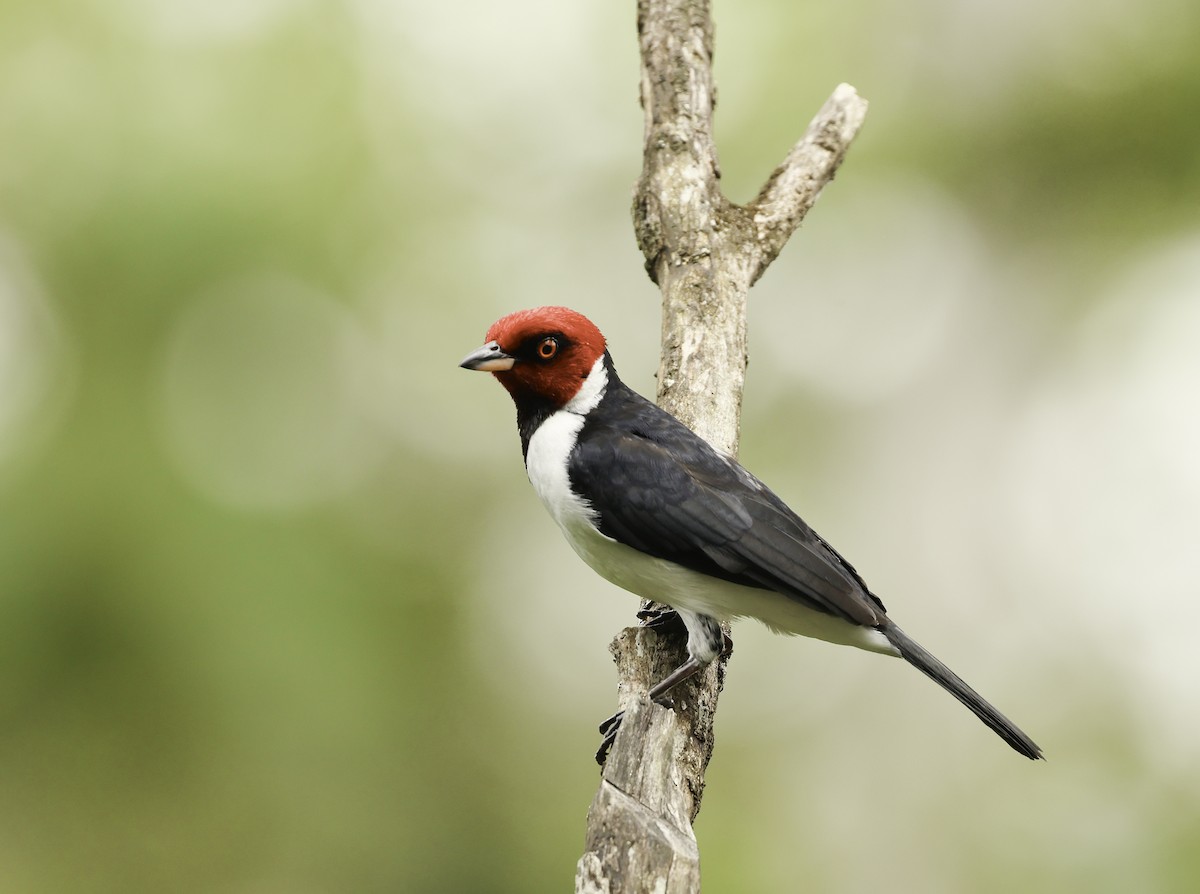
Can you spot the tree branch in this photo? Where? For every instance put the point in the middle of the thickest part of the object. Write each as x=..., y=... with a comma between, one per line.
x=704, y=252
x=794, y=186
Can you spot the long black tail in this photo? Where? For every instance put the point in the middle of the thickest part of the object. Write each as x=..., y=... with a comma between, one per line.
x=912, y=652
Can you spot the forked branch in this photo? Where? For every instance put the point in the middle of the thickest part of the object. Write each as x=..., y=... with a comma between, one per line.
x=704, y=252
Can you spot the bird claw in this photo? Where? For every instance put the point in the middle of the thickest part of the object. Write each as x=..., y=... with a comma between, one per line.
x=659, y=617
x=612, y=723
x=608, y=729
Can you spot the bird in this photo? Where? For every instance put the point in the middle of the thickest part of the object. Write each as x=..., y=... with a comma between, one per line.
x=656, y=510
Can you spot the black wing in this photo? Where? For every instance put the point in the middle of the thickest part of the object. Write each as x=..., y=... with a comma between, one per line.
x=661, y=489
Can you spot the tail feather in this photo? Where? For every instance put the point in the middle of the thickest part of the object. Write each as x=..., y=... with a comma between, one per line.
x=912, y=652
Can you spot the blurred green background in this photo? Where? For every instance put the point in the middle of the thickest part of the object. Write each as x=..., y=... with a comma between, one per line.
x=279, y=611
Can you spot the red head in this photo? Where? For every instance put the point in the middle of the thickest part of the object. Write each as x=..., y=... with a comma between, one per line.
x=544, y=353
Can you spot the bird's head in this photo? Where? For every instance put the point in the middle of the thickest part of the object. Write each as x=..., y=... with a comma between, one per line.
x=544, y=354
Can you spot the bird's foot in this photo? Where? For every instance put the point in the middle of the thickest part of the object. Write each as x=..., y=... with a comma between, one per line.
x=655, y=616
x=608, y=732
x=608, y=729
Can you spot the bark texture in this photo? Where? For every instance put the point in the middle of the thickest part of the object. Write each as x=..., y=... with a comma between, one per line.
x=704, y=252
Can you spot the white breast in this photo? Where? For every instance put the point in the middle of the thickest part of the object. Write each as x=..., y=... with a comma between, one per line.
x=550, y=448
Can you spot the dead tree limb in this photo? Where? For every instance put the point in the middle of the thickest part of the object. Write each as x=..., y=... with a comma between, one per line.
x=704, y=252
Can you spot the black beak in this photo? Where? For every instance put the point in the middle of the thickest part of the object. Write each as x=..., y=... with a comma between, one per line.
x=489, y=358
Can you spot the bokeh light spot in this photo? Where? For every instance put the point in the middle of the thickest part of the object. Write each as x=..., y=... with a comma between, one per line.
x=258, y=395
x=32, y=359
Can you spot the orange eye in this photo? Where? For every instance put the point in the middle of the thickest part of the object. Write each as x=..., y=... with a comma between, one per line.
x=547, y=348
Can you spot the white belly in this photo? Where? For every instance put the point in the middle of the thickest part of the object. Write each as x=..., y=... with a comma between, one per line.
x=682, y=588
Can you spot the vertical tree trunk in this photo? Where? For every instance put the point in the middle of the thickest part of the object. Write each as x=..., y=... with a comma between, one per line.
x=704, y=253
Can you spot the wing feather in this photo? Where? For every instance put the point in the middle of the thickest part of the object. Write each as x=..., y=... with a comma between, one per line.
x=661, y=489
